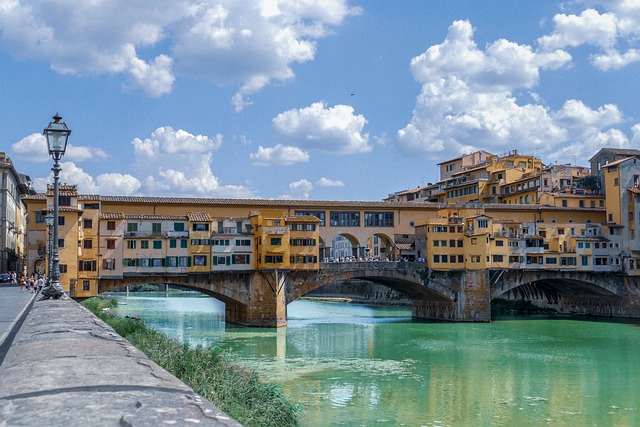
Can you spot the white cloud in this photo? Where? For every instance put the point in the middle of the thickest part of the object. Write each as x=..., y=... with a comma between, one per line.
x=326, y=182
x=299, y=190
x=247, y=43
x=278, y=155
x=105, y=184
x=34, y=148
x=615, y=29
x=178, y=162
x=334, y=130
x=468, y=102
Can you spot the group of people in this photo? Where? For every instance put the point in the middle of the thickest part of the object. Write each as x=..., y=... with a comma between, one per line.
x=33, y=283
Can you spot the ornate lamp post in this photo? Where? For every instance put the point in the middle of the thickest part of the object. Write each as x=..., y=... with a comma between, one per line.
x=57, y=134
x=48, y=220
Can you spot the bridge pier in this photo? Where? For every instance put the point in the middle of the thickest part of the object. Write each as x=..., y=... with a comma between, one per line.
x=470, y=297
x=267, y=305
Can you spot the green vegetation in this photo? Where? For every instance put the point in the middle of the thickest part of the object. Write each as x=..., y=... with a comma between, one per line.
x=236, y=391
x=500, y=305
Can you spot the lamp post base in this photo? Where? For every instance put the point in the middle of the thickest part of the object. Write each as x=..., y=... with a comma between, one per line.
x=52, y=290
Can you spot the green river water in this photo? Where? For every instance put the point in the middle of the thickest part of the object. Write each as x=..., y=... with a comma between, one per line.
x=353, y=365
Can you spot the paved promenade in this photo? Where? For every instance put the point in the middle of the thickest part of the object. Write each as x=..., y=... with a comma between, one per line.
x=13, y=305
x=65, y=367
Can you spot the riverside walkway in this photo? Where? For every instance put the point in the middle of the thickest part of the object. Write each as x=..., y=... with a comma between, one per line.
x=62, y=366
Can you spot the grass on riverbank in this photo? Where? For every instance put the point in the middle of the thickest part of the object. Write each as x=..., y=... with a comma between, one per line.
x=236, y=391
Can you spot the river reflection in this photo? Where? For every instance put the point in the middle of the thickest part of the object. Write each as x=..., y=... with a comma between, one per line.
x=350, y=365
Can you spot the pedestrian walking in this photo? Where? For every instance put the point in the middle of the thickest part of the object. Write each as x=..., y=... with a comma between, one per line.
x=21, y=284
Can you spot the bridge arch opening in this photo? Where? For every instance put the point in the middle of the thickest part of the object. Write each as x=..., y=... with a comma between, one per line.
x=562, y=295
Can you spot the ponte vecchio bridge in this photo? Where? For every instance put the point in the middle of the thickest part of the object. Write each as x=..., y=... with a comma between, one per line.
x=260, y=298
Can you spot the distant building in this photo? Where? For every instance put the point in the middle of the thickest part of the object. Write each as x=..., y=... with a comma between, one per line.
x=605, y=156
x=12, y=216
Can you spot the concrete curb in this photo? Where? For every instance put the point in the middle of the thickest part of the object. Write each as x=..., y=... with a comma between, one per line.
x=68, y=368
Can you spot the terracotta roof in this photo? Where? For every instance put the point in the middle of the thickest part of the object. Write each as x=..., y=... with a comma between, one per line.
x=306, y=204
x=622, y=151
x=156, y=217
x=302, y=218
x=404, y=246
x=198, y=216
x=114, y=215
x=634, y=190
x=617, y=162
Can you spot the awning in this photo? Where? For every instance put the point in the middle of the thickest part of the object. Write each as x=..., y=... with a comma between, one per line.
x=404, y=246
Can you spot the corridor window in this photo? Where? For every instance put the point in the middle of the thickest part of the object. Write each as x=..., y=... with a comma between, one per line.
x=344, y=219
x=378, y=219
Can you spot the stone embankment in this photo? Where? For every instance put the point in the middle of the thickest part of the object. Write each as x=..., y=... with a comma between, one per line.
x=66, y=367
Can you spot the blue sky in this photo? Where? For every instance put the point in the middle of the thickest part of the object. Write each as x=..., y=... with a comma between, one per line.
x=310, y=99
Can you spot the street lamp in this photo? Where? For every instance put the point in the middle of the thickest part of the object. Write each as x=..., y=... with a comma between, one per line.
x=57, y=134
x=48, y=220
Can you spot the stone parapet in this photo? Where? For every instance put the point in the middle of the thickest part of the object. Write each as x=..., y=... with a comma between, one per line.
x=68, y=368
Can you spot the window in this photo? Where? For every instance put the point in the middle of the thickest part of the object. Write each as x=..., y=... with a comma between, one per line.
x=184, y=243
x=132, y=244
x=157, y=244
x=199, y=260
x=144, y=244
x=474, y=241
x=436, y=258
x=178, y=226
x=241, y=259
x=63, y=268
x=378, y=219
x=200, y=227
x=87, y=265
x=40, y=217
x=276, y=241
x=87, y=244
x=61, y=243
x=220, y=226
x=157, y=262
x=498, y=258
x=156, y=228
x=344, y=219
x=64, y=200
x=86, y=285
x=581, y=203
x=109, y=264
x=61, y=220
x=616, y=182
x=111, y=225
x=564, y=203
x=551, y=260
x=238, y=226
x=483, y=223
x=273, y=259
x=173, y=243
x=243, y=242
x=499, y=242
x=111, y=244
x=87, y=223
x=132, y=226
x=92, y=205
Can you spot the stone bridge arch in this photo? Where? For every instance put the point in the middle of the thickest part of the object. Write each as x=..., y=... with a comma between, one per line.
x=233, y=289
x=456, y=295
x=594, y=293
